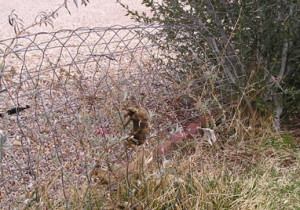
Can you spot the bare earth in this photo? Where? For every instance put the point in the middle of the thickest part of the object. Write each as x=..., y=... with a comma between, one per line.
x=98, y=13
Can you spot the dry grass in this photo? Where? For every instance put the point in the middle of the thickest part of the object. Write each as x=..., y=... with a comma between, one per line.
x=260, y=173
x=58, y=145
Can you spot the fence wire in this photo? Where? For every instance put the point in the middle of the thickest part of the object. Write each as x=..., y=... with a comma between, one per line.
x=75, y=85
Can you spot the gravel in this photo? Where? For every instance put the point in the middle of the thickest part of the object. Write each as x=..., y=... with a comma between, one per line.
x=98, y=13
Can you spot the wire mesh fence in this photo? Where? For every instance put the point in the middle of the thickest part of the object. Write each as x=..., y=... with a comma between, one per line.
x=68, y=91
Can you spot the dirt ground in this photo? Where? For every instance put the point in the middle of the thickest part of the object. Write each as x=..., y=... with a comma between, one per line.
x=98, y=13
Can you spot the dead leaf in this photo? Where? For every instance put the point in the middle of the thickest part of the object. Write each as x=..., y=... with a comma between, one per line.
x=17, y=143
x=209, y=135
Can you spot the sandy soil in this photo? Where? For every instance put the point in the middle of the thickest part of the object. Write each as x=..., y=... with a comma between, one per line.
x=99, y=13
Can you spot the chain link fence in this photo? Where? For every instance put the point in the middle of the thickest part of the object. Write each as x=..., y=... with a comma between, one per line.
x=74, y=86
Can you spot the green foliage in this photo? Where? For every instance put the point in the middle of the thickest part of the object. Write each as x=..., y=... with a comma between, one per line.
x=2, y=143
x=285, y=141
x=254, y=44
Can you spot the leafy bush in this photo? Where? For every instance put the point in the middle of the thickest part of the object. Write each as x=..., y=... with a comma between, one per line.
x=253, y=44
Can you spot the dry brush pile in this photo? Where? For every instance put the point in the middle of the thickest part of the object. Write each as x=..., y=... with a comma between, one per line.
x=76, y=86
